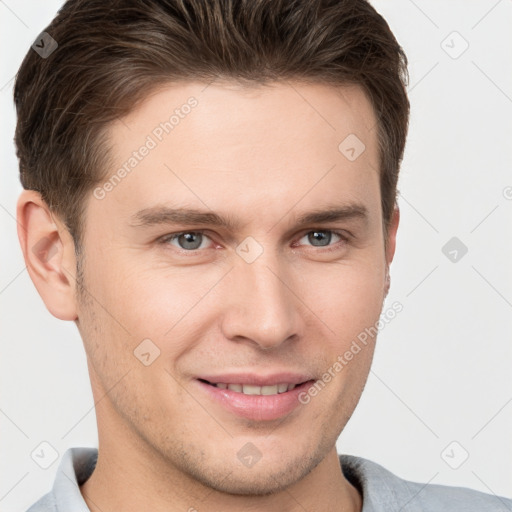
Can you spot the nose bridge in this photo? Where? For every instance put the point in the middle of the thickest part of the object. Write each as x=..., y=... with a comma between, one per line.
x=262, y=308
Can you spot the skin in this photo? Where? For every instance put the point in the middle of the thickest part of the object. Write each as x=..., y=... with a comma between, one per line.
x=263, y=155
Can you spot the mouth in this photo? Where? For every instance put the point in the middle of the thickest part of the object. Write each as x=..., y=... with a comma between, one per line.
x=251, y=389
x=258, y=399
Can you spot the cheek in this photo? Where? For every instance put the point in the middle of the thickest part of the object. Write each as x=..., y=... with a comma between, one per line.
x=346, y=297
x=146, y=297
x=171, y=306
x=349, y=303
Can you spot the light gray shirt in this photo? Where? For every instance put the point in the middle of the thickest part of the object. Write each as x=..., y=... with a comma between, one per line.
x=382, y=491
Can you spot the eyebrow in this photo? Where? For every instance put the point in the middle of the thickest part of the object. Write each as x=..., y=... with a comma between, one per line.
x=164, y=215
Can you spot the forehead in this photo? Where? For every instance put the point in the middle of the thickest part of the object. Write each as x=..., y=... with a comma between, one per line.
x=225, y=146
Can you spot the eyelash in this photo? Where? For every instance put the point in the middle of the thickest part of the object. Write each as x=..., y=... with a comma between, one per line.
x=166, y=239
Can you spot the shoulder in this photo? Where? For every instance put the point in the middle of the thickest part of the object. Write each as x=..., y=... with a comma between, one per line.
x=44, y=504
x=76, y=465
x=385, y=491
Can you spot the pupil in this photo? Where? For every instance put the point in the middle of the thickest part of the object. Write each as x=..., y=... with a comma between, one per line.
x=191, y=240
x=319, y=236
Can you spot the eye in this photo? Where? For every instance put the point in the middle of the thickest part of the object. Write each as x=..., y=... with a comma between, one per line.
x=322, y=237
x=186, y=240
x=193, y=241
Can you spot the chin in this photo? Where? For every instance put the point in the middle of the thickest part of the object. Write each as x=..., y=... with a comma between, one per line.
x=263, y=479
x=252, y=482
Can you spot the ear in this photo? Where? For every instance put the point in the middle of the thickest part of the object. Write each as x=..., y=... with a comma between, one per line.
x=391, y=245
x=49, y=253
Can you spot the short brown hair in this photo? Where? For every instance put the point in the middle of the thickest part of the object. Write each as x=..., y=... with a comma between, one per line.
x=112, y=53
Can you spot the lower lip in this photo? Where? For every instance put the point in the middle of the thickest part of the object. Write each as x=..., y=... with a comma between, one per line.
x=256, y=407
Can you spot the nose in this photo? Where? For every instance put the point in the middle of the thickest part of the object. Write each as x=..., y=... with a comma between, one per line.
x=262, y=307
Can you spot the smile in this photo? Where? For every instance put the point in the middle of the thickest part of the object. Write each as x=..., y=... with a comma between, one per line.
x=257, y=400
x=249, y=389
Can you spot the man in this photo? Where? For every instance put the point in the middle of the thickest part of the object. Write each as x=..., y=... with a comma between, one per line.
x=210, y=196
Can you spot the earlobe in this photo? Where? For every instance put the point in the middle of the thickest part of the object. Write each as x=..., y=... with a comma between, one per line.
x=391, y=242
x=391, y=246
x=387, y=282
x=48, y=250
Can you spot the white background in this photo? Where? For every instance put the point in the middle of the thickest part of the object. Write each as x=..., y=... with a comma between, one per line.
x=442, y=369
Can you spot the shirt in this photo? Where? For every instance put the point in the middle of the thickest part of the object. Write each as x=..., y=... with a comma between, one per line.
x=381, y=490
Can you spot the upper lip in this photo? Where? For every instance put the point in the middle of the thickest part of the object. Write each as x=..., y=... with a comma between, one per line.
x=258, y=379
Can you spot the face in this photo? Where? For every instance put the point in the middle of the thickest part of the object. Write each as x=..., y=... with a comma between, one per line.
x=211, y=329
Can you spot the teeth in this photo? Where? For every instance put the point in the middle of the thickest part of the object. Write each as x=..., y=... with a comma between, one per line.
x=282, y=388
x=248, y=389
x=269, y=390
x=251, y=390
